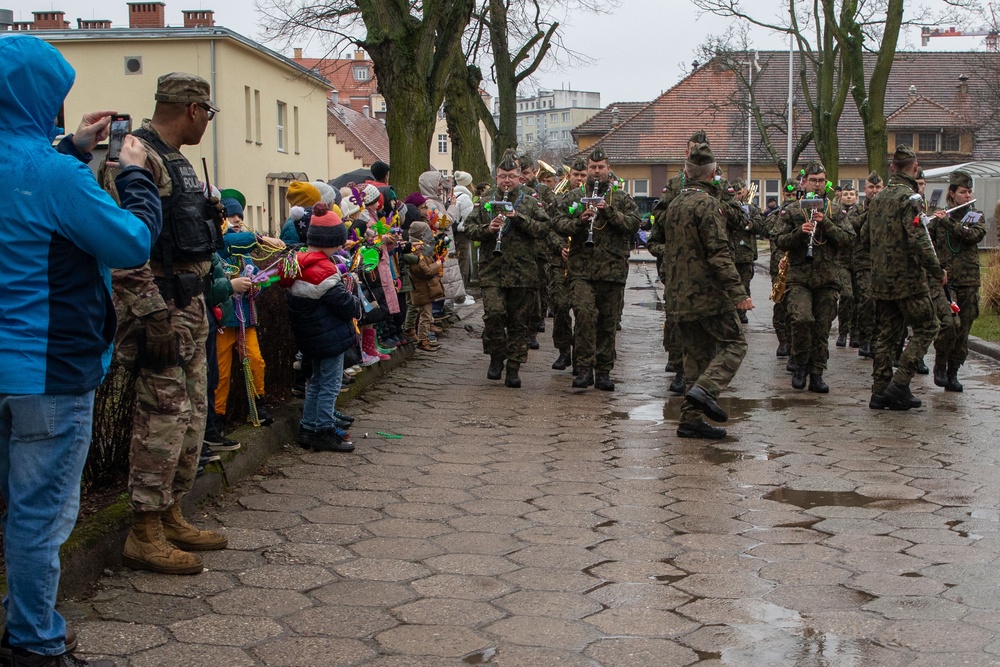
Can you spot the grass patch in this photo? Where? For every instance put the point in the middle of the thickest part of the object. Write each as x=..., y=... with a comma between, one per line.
x=987, y=327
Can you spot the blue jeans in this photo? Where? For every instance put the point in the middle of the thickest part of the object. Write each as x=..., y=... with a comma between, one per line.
x=44, y=439
x=321, y=393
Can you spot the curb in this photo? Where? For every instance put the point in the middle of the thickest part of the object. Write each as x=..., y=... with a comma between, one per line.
x=984, y=347
x=96, y=542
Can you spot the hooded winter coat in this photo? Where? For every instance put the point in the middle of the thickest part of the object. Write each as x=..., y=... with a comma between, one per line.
x=60, y=233
x=430, y=182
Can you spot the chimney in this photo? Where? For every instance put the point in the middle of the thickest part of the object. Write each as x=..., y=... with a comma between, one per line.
x=298, y=53
x=6, y=20
x=616, y=117
x=335, y=96
x=93, y=24
x=198, y=18
x=146, y=15
x=359, y=54
x=50, y=20
x=963, y=86
x=366, y=110
x=913, y=93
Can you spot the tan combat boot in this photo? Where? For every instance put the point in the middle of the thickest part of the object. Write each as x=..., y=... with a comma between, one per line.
x=187, y=537
x=147, y=549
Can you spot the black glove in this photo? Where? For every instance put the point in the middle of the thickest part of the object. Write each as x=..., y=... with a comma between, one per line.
x=216, y=209
x=160, y=341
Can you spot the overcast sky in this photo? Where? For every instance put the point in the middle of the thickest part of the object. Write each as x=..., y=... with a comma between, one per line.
x=640, y=48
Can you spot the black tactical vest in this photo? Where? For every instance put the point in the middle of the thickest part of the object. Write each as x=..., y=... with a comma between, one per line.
x=190, y=231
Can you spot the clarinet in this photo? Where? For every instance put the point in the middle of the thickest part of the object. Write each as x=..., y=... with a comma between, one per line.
x=590, y=207
x=498, y=248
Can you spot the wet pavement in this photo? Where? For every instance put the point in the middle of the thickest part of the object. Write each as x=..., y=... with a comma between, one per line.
x=549, y=526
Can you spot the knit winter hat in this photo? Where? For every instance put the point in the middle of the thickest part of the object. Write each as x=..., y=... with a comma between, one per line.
x=420, y=231
x=463, y=178
x=232, y=207
x=380, y=170
x=302, y=194
x=326, y=229
x=233, y=194
x=349, y=202
x=371, y=194
x=327, y=194
x=416, y=199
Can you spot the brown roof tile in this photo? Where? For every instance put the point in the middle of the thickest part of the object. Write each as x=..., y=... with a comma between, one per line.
x=364, y=136
x=601, y=123
x=340, y=72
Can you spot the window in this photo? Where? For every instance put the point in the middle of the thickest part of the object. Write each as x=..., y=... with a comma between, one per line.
x=904, y=138
x=950, y=142
x=248, y=103
x=361, y=74
x=927, y=142
x=256, y=110
x=529, y=120
x=553, y=118
x=529, y=138
x=442, y=143
x=282, y=123
x=574, y=104
x=640, y=187
x=443, y=172
x=295, y=128
x=565, y=116
x=846, y=182
x=772, y=190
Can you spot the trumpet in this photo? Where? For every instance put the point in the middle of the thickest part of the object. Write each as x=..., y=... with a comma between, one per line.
x=591, y=202
x=562, y=187
x=500, y=206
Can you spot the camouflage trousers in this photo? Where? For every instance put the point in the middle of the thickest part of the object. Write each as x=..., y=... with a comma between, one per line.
x=559, y=301
x=745, y=269
x=779, y=316
x=894, y=316
x=811, y=312
x=846, y=304
x=169, y=422
x=507, y=314
x=597, y=309
x=714, y=348
x=541, y=297
x=864, y=306
x=672, y=340
x=953, y=341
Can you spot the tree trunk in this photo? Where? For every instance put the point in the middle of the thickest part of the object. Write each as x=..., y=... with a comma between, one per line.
x=506, y=78
x=460, y=108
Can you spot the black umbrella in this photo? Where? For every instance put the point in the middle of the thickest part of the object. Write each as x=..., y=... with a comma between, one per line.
x=358, y=176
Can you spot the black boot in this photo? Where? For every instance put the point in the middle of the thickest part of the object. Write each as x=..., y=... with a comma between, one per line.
x=263, y=416
x=842, y=340
x=602, y=380
x=799, y=377
x=701, y=430
x=854, y=341
x=782, y=351
x=496, y=368
x=863, y=350
x=743, y=317
x=532, y=343
x=953, y=383
x=817, y=385
x=921, y=368
x=900, y=396
x=541, y=326
x=22, y=658
x=878, y=401
x=562, y=361
x=677, y=384
x=704, y=401
x=940, y=371
x=513, y=380
x=584, y=378
x=790, y=365
x=672, y=367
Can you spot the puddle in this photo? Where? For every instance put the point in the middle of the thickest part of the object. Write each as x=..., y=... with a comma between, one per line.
x=651, y=305
x=705, y=656
x=480, y=657
x=810, y=499
x=643, y=287
x=720, y=456
x=668, y=578
x=607, y=524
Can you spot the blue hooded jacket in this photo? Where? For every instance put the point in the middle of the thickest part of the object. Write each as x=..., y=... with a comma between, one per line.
x=59, y=233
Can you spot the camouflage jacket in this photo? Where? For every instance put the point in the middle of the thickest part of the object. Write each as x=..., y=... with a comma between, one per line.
x=845, y=255
x=744, y=231
x=701, y=278
x=861, y=259
x=547, y=201
x=556, y=241
x=901, y=251
x=771, y=222
x=832, y=234
x=517, y=265
x=956, y=239
x=614, y=228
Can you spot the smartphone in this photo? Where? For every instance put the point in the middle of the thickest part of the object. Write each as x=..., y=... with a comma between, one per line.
x=121, y=124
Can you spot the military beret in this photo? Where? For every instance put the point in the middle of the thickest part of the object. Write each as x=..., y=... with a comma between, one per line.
x=738, y=184
x=699, y=137
x=920, y=174
x=815, y=167
x=701, y=154
x=526, y=162
x=960, y=179
x=509, y=161
x=874, y=178
x=903, y=154
x=579, y=164
x=598, y=155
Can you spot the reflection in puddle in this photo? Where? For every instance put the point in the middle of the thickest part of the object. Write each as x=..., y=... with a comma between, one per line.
x=651, y=305
x=643, y=287
x=810, y=499
x=720, y=456
x=480, y=657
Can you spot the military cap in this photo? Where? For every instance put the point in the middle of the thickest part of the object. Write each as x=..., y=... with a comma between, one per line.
x=960, y=179
x=526, y=162
x=701, y=154
x=509, y=161
x=874, y=178
x=815, y=167
x=738, y=184
x=903, y=154
x=699, y=137
x=183, y=88
x=920, y=174
x=579, y=164
x=598, y=155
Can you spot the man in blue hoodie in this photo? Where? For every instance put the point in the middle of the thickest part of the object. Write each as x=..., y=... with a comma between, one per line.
x=60, y=233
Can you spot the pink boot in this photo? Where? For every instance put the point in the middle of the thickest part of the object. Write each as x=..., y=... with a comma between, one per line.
x=368, y=345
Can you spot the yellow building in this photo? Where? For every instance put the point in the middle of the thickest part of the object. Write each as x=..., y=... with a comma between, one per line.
x=272, y=126
x=442, y=153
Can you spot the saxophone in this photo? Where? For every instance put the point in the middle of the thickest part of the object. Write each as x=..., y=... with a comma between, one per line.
x=778, y=288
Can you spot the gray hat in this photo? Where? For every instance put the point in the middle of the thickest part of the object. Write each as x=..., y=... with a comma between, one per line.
x=960, y=179
x=183, y=88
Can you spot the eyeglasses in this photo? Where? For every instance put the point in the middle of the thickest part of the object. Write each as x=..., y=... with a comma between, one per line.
x=208, y=109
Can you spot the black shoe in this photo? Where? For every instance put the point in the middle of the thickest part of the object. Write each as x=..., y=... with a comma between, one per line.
x=341, y=423
x=263, y=416
x=701, y=430
x=6, y=650
x=878, y=401
x=207, y=455
x=307, y=437
x=533, y=343
x=584, y=378
x=901, y=396
x=226, y=445
x=704, y=401
x=940, y=372
x=854, y=342
x=863, y=350
x=327, y=440
x=299, y=388
x=513, y=380
x=495, y=371
x=346, y=379
x=842, y=340
x=677, y=384
x=953, y=383
x=541, y=327
x=22, y=658
x=817, y=385
x=672, y=367
x=782, y=350
x=342, y=417
x=799, y=377
x=602, y=380
x=921, y=368
x=790, y=366
x=743, y=317
x=562, y=361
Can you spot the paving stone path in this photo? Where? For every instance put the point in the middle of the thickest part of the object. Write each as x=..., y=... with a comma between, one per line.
x=557, y=527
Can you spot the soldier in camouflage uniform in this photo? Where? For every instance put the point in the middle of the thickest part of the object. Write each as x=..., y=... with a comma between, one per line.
x=509, y=280
x=864, y=308
x=779, y=314
x=846, y=320
x=162, y=330
x=813, y=283
x=956, y=238
x=597, y=274
x=902, y=261
x=543, y=193
x=743, y=233
x=703, y=292
x=559, y=295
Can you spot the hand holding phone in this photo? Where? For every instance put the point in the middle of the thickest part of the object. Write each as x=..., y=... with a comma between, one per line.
x=121, y=125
